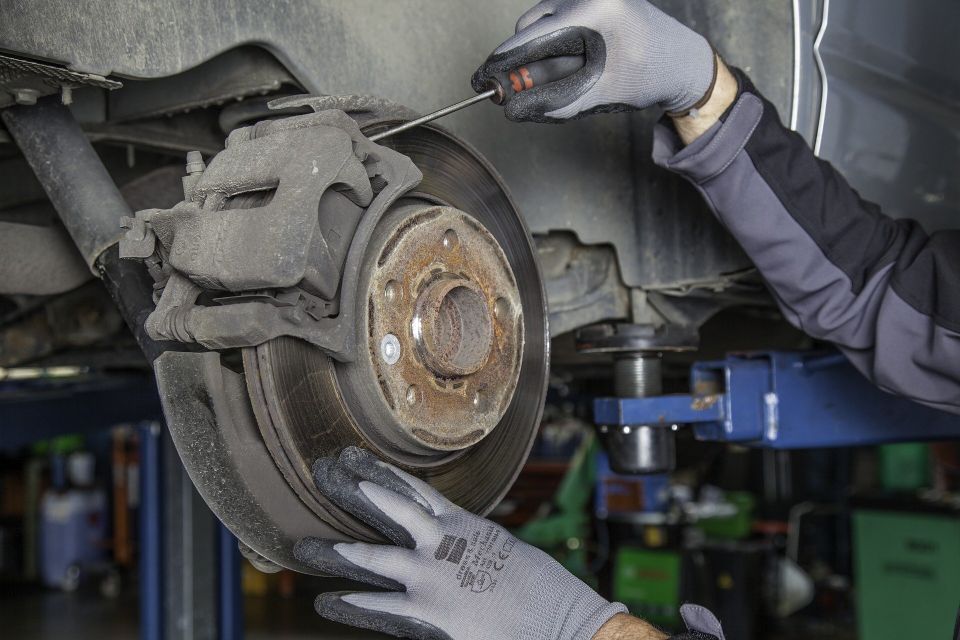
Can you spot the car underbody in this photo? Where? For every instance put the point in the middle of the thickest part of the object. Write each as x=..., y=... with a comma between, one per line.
x=298, y=288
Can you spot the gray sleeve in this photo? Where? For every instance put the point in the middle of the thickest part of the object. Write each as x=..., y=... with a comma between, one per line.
x=882, y=290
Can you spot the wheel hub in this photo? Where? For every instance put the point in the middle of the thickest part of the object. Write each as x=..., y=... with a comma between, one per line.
x=445, y=331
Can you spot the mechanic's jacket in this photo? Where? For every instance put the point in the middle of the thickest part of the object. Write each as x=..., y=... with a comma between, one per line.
x=886, y=293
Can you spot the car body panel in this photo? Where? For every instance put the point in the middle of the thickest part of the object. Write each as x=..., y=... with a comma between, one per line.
x=889, y=120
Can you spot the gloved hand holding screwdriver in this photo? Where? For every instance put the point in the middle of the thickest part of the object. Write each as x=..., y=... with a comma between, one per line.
x=634, y=57
x=569, y=59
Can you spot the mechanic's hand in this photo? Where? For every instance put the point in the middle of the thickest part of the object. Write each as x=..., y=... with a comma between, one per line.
x=451, y=575
x=636, y=56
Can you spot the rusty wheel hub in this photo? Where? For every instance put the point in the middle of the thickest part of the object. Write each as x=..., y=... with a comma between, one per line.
x=445, y=329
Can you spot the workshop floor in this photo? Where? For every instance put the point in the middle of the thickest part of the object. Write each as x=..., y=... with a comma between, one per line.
x=43, y=615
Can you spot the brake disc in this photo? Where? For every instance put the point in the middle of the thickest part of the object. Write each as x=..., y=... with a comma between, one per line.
x=448, y=382
x=433, y=354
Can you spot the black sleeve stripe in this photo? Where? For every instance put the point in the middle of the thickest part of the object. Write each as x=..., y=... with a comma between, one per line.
x=927, y=277
x=852, y=232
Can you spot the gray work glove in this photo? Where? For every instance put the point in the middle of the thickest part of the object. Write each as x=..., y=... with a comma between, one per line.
x=700, y=623
x=450, y=574
x=636, y=56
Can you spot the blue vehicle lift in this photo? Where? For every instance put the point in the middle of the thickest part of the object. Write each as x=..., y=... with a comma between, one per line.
x=784, y=400
x=215, y=601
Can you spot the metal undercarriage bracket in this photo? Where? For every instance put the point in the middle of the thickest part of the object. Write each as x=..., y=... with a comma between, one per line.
x=641, y=446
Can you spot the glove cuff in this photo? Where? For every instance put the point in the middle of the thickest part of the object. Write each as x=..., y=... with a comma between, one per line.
x=562, y=607
x=589, y=626
x=693, y=73
x=707, y=95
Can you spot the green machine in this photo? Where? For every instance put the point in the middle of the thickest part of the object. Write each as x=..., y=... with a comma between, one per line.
x=648, y=582
x=563, y=532
x=907, y=574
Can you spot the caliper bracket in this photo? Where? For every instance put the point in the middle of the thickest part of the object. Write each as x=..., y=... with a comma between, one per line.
x=270, y=238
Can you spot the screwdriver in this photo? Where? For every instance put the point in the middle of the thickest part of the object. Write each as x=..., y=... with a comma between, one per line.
x=501, y=88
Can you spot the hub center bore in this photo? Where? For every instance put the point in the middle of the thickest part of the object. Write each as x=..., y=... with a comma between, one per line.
x=452, y=327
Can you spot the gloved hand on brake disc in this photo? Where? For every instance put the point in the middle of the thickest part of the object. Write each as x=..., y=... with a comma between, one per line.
x=636, y=56
x=449, y=573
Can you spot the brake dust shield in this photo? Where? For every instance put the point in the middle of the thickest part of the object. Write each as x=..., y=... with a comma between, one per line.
x=449, y=381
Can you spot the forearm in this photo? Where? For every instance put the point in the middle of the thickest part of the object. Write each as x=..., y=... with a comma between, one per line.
x=880, y=289
x=626, y=627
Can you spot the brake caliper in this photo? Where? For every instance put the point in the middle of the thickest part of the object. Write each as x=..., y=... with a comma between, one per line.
x=270, y=237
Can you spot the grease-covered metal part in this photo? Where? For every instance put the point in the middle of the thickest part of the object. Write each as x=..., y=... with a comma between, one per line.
x=622, y=337
x=638, y=448
x=88, y=202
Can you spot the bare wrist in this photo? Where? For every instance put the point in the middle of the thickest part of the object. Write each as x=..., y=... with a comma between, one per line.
x=626, y=627
x=692, y=125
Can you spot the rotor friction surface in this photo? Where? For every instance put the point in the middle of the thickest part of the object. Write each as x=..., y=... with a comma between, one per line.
x=310, y=406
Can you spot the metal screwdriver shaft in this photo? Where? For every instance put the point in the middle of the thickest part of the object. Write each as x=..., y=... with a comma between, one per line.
x=502, y=87
x=436, y=114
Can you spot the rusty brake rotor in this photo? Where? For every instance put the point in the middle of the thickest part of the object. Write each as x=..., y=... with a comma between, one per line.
x=452, y=383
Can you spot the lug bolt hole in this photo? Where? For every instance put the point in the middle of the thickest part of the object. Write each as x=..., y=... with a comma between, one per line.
x=450, y=240
x=412, y=395
x=392, y=291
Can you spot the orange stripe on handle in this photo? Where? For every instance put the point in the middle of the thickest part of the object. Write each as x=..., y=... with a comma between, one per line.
x=527, y=80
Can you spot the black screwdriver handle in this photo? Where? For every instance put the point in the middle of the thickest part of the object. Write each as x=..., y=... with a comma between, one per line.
x=509, y=83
